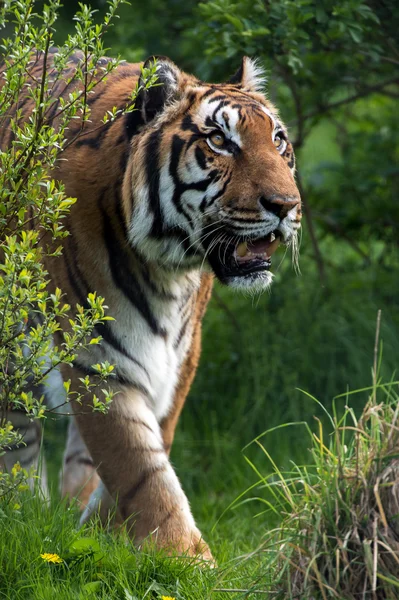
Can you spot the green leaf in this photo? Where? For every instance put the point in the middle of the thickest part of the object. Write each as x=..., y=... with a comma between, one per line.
x=92, y=587
x=235, y=21
x=83, y=546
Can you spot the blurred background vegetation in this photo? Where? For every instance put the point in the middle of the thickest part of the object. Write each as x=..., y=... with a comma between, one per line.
x=333, y=73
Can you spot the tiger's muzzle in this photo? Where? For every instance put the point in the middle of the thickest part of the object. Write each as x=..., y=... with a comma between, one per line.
x=242, y=256
x=233, y=256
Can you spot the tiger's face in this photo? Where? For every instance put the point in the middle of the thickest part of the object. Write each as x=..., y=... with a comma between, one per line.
x=211, y=181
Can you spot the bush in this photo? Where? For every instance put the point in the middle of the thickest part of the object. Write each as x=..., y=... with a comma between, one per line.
x=33, y=205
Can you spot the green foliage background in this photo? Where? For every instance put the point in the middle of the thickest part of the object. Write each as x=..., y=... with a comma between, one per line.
x=333, y=73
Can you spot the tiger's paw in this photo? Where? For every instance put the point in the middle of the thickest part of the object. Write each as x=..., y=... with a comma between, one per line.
x=187, y=543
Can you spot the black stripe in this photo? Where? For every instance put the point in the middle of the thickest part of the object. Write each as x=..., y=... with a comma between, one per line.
x=208, y=202
x=180, y=187
x=123, y=160
x=159, y=228
x=109, y=337
x=181, y=236
x=210, y=122
x=27, y=462
x=235, y=219
x=94, y=97
x=166, y=518
x=243, y=209
x=82, y=290
x=133, y=384
x=119, y=212
x=52, y=110
x=21, y=444
x=140, y=422
x=133, y=120
x=124, y=71
x=84, y=460
x=115, y=375
x=95, y=142
x=200, y=156
x=122, y=277
x=226, y=120
x=194, y=138
x=141, y=483
x=152, y=172
x=86, y=370
x=76, y=279
x=72, y=456
x=221, y=104
x=187, y=295
x=221, y=97
x=239, y=110
x=146, y=277
x=182, y=331
x=188, y=125
x=208, y=93
x=76, y=58
x=11, y=115
x=144, y=272
x=177, y=148
x=51, y=113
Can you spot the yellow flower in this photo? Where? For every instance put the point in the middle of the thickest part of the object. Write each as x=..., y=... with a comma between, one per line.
x=51, y=558
x=167, y=598
x=16, y=469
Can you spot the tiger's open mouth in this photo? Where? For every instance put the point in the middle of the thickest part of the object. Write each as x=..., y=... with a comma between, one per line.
x=242, y=258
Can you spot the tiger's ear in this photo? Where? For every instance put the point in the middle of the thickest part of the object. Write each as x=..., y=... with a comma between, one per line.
x=250, y=75
x=165, y=90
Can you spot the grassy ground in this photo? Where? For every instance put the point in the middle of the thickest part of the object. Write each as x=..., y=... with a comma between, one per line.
x=93, y=563
x=323, y=528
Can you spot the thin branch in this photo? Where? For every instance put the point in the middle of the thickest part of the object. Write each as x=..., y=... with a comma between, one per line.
x=227, y=310
x=362, y=94
x=332, y=224
x=313, y=238
x=296, y=96
x=242, y=591
x=377, y=337
x=301, y=136
x=383, y=58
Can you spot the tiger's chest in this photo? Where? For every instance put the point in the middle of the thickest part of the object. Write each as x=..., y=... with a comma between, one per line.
x=148, y=341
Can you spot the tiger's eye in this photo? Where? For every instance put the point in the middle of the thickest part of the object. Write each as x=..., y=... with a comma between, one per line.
x=218, y=139
x=277, y=142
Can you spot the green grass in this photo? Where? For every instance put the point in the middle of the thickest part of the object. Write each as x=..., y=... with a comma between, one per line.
x=313, y=529
x=337, y=535
x=99, y=564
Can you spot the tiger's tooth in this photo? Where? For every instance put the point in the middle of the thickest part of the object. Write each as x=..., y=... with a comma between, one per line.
x=272, y=237
x=242, y=249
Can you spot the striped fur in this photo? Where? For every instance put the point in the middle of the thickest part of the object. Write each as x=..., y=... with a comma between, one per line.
x=168, y=197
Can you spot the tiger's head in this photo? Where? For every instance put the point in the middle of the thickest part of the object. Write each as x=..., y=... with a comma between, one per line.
x=210, y=181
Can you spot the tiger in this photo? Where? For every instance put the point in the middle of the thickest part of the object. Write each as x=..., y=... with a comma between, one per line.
x=196, y=183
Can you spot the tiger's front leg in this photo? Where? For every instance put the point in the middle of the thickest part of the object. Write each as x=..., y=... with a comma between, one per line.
x=127, y=447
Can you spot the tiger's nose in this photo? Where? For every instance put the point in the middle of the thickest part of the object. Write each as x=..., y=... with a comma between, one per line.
x=279, y=205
